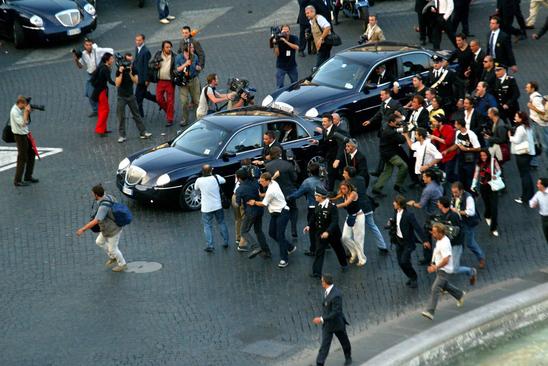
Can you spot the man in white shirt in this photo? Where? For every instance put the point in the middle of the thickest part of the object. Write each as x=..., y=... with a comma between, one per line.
x=209, y=186
x=442, y=265
x=90, y=58
x=540, y=201
x=426, y=155
x=441, y=12
x=19, y=123
x=279, y=216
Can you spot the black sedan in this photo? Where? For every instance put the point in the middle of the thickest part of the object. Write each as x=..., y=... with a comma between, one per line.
x=348, y=84
x=166, y=173
x=45, y=20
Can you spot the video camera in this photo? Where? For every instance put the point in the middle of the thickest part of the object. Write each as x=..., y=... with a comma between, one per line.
x=38, y=107
x=406, y=126
x=77, y=52
x=240, y=86
x=275, y=35
x=121, y=60
x=363, y=39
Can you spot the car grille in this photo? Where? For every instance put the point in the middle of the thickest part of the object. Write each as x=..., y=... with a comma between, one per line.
x=69, y=18
x=134, y=175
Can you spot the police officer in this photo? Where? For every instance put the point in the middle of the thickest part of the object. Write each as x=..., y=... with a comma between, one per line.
x=446, y=83
x=325, y=222
x=506, y=92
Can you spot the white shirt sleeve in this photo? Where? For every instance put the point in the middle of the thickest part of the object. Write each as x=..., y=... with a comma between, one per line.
x=474, y=139
x=433, y=151
x=267, y=197
x=220, y=179
x=538, y=102
x=322, y=22
x=519, y=136
x=470, y=207
x=197, y=184
x=16, y=116
x=534, y=202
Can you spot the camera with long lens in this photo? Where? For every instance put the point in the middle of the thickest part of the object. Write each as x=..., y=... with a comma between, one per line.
x=240, y=86
x=38, y=107
x=406, y=127
x=363, y=39
x=181, y=78
x=121, y=60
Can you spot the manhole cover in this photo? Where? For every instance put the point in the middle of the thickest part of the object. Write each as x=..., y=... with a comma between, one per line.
x=143, y=267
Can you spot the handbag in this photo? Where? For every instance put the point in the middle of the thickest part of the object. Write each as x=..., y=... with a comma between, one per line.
x=332, y=39
x=7, y=134
x=496, y=184
x=225, y=202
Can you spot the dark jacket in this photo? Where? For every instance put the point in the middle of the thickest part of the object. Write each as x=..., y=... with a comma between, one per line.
x=476, y=122
x=503, y=49
x=100, y=78
x=390, y=142
x=450, y=89
x=409, y=227
x=490, y=78
x=499, y=133
x=154, y=76
x=325, y=219
x=288, y=176
x=302, y=20
x=476, y=67
x=507, y=92
x=266, y=151
x=140, y=63
x=249, y=190
x=332, y=311
x=198, y=50
x=322, y=9
x=385, y=111
x=330, y=145
x=453, y=218
x=423, y=120
x=465, y=59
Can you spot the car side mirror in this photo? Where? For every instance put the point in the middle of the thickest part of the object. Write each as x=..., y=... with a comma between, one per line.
x=227, y=155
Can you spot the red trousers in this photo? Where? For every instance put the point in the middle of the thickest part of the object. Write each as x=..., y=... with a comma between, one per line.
x=102, y=113
x=165, y=96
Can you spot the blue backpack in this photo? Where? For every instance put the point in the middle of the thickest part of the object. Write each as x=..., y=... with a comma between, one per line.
x=122, y=214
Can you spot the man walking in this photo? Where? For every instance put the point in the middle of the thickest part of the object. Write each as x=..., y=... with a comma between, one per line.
x=442, y=265
x=140, y=65
x=164, y=62
x=19, y=122
x=109, y=235
x=333, y=322
x=209, y=186
x=163, y=11
x=540, y=201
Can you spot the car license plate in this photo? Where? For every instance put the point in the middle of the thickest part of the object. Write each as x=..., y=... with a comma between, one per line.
x=127, y=191
x=73, y=32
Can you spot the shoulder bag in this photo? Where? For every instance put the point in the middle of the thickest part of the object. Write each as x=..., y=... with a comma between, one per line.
x=332, y=39
x=225, y=202
x=496, y=184
x=7, y=134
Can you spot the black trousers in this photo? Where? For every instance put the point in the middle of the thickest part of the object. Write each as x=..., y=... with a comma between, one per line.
x=507, y=18
x=321, y=245
x=303, y=42
x=141, y=93
x=327, y=337
x=25, y=158
x=491, y=203
x=438, y=25
x=527, y=187
x=312, y=231
x=425, y=26
x=545, y=227
x=403, y=252
x=323, y=54
x=293, y=216
x=332, y=175
x=460, y=15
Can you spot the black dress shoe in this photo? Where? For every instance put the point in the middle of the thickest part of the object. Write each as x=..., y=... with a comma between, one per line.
x=399, y=189
x=21, y=184
x=413, y=284
x=254, y=253
x=32, y=180
x=315, y=275
x=92, y=114
x=348, y=361
x=309, y=253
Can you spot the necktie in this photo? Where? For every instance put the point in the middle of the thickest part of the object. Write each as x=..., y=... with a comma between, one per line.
x=325, y=294
x=437, y=5
x=492, y=44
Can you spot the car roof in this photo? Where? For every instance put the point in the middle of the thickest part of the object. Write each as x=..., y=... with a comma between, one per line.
x=237, y=118
x=372, y=52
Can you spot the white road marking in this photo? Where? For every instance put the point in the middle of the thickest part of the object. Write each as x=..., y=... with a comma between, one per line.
x=287, y=14
x=50, y=54
x=197, y=19
x=8, y=155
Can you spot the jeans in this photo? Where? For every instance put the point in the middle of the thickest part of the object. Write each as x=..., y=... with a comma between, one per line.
x=163, y=8
x=131, y=102
x=353, y=237
x=527, y=187
x=374, y=230
x=395, y=161
x=88, y=93
x=457, y=268
x=323, y=54
x=280, y=75
x=276, y=230
x=207, y=220
x=256, y=222
x=471, y=243
x=25, y=158
x=141, y=93
x=110, y=246
x=442, y=283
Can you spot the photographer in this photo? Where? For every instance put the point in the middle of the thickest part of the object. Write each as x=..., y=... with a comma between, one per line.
x=186, y=64
x=209, y=97
x=90, y=57
x=240, y=101
x=188, y=38
x=285, y=46
x=163, y=66
x=320, y=28
x=19, y=122
x=100, y=92
x=126, y=77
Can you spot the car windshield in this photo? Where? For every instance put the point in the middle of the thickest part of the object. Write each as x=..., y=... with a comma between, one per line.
x=340, y=73
x=202, y=138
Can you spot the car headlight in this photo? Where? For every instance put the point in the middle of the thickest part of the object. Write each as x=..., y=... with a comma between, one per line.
x=124, y=164
x=163, y=180
x=90, y=9
x=312, y=112
x=36, y=21
x=267, y=101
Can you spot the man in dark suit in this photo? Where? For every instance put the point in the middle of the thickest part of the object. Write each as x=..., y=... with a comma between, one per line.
x=403, y=228
x=351, y=156
x=388, y=107
x=269, y=141
x=460, y=15
x=304, y=24
x=325, y=224
x=488, y=73
x=471, y=116
x=499, y=45
x=333, y=322
x=381, y=76
x=446, y=83
x=418, y=115
x=425, y=27
x=323, y=8
x=441, y=13
x=476, y=68
x=507, y=93
x=140, y=65
x=283, y=172
x=331, y=146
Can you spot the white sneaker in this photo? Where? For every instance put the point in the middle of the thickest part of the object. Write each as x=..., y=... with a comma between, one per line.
x=122, y=139
x=170, y=17
x=495, y=233
x=460, y=302
x=164, y=21
x=428, y=315
x=361, y=264
x=488, y=221
x=145, y=135
x=282, y=264
x=518, y=200
x=352, y=259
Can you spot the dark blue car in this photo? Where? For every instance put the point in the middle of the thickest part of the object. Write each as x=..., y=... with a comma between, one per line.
x=347, y=83
x=166, y=173
x=45, y=20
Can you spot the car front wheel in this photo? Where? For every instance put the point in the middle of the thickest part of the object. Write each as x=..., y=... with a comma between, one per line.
x=18, y=35
x=190, y=199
